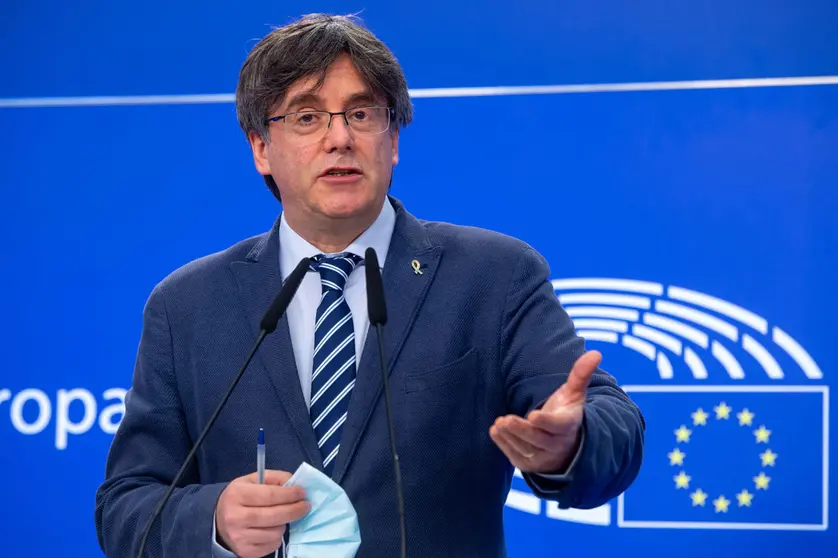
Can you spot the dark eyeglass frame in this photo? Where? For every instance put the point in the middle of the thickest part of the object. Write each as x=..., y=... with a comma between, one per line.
x=391, y=112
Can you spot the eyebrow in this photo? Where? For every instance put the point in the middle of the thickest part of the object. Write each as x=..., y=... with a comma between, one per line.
x=309, y=98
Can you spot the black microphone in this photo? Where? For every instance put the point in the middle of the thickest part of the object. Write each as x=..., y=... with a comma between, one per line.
x=267, y=325
x=378, y=317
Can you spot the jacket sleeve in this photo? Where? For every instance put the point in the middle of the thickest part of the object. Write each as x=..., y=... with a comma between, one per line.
x=148, y=448
x=539, y=347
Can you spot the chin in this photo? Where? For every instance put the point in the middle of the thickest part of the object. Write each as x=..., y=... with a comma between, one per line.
x=345, y=205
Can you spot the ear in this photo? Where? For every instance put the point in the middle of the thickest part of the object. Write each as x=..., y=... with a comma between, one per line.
x=260, y=152
x=394, y=136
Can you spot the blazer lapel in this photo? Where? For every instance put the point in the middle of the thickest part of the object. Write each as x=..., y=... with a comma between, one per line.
x=404, y=291
x=259, y=280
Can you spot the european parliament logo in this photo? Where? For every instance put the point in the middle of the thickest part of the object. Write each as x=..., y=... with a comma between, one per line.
x=719, y=454
x=745, y=458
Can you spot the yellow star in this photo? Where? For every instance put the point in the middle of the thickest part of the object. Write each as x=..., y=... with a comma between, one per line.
x=699, y=497
x=676, y=457
x=682, y=480
x=722, y=411
x=699, y=417
x=762, y=434
x=762, y=481
x=744, y=498
x=683, y=434
x=721, y=504
x=768, y=457
x=745, y=417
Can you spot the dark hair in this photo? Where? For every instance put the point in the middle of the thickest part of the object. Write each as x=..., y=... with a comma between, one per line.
x=307, y=47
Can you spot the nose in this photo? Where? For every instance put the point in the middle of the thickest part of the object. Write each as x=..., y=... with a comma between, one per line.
x=338, y=137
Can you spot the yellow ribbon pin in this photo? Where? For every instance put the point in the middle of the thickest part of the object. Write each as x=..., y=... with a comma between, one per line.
x=415, y=265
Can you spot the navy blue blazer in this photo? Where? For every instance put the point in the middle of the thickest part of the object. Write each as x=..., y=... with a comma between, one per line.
x=478, y=334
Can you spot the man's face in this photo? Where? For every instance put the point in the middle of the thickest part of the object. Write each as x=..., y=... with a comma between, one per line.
x=300, y=164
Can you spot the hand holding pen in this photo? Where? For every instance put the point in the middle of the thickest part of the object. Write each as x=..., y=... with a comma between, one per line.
x=254, y=510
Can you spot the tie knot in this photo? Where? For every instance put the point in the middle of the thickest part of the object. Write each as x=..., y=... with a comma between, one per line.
x=335, y=270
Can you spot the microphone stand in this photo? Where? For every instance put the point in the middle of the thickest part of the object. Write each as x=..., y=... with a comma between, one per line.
x=396, y=468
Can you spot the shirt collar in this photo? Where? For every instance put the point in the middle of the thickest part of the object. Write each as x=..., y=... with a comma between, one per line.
x=293, y=247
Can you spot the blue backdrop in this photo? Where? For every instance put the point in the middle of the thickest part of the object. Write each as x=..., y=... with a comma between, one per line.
x=706, y=215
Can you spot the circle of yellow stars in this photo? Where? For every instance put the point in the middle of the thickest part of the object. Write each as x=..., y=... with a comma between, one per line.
x=722, y=412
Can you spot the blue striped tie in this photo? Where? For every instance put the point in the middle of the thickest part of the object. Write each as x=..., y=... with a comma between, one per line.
x=333, y=370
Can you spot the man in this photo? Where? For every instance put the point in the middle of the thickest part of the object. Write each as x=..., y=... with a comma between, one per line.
x=486, y=371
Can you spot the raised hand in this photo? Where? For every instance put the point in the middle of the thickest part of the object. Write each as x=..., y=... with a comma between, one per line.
x=547, y=440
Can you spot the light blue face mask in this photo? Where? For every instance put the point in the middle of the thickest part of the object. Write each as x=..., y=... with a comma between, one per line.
x=331, y=527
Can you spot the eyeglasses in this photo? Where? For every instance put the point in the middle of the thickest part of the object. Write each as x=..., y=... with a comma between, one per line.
x=363, y=120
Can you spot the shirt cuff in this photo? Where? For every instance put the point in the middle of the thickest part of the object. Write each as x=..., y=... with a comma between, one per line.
x=219, y=551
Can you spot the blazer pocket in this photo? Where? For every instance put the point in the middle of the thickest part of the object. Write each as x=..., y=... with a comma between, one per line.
x=454, y=372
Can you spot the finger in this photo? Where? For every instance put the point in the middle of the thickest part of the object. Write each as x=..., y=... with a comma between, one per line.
x=580, y=375
x=524, y=448
x=500, y=440
x=528, y=432
x=520, y=449
x=255, y=542
x=258, y=536
x=274, y=476
x=258, y=495
x=562, y=422
x=275, y=516
x=259, y=549
x=255, y=551
x=575, y=387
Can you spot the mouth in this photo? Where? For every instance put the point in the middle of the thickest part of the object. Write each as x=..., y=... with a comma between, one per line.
x=341, y=171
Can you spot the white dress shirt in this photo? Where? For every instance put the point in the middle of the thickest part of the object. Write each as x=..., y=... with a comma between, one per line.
x=303, y=308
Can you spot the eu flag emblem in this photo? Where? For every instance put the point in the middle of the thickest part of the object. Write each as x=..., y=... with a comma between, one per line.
x=730, y=457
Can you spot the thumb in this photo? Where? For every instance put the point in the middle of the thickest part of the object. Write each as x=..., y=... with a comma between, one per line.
x=576, y=386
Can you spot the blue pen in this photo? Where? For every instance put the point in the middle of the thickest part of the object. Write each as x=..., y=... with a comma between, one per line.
x=260, y=472
x=260, y=456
